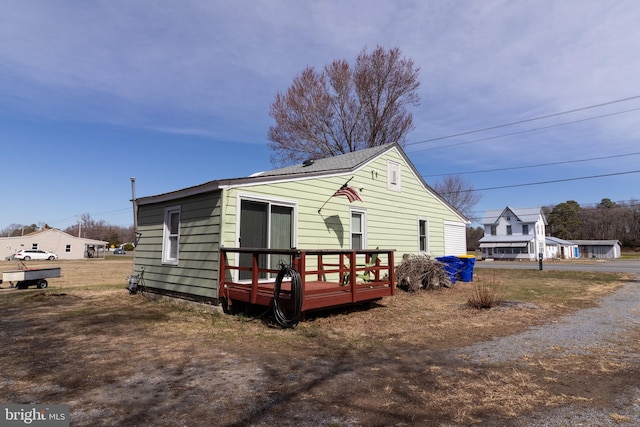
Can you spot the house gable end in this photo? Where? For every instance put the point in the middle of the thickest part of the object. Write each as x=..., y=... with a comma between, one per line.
x=343, y=165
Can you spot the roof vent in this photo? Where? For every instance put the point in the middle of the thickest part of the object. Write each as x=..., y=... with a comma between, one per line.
x=308, y=162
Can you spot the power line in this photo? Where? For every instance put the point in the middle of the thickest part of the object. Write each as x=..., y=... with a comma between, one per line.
x=526, y=120
x=535, y=166
x=544, y=182
x=76, y=218
x=113, y=211
x=525, y=131
x=619, y=204
x=94, y=213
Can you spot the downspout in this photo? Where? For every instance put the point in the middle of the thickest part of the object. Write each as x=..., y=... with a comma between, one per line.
x=135, y=210
x=223, y=209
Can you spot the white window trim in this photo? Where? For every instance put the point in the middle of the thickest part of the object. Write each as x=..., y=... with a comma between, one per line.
x=271, y=201
x=427, y=250
x=363, y=212
x=166, y=235
x=391, y=168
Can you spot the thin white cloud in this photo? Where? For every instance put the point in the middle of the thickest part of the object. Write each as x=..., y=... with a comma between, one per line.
x=489, y=61
x=204, y=73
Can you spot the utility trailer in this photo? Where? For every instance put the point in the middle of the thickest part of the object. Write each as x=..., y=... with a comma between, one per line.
x=30, y=277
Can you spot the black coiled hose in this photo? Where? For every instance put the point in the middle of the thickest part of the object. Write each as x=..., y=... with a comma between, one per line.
x=296, y=297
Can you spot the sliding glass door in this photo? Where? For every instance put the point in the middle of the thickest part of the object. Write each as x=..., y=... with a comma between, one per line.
x=264, y=225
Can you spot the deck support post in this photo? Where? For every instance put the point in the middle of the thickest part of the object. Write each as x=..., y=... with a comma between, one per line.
x=352, y=275
x=299, y=263
x=255, y=274
x=392, y=272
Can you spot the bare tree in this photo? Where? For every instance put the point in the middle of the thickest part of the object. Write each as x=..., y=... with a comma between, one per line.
x=343, y=109
x=18, y=230
x=459, y=193
x=101, y=230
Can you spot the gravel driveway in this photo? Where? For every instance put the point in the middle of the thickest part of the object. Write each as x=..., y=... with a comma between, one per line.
x=608, y=327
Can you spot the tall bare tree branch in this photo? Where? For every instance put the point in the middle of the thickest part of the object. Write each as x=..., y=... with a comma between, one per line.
x=459, y=193
x=343, y=109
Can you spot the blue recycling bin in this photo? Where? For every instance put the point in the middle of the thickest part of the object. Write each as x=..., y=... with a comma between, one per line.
x=451, y=266
x=467, y=263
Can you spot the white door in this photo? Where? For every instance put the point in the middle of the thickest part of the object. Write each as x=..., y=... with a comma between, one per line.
x=455, y=238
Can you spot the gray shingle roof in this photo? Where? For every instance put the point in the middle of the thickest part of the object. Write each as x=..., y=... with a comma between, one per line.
x=343, y=162
x=338, y=164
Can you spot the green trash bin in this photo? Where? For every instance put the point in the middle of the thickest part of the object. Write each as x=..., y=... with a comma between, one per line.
x=466, y=267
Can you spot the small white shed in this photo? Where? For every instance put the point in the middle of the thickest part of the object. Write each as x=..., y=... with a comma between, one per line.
x=560, y=249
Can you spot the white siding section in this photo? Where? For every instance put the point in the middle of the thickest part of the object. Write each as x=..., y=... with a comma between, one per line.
x=455, y=238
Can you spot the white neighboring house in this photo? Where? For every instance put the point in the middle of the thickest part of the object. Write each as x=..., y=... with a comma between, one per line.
x=53, y=240
x=561, y=249
x=514, y=233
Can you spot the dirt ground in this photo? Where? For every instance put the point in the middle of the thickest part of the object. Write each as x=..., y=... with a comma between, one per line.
x=125, y=360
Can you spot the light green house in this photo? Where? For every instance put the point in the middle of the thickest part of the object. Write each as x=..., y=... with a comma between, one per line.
x=181, y=232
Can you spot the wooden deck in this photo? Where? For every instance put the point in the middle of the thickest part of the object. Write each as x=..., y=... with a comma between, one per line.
x=329, y=277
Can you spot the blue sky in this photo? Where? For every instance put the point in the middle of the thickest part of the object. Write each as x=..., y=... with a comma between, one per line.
x=177, y=93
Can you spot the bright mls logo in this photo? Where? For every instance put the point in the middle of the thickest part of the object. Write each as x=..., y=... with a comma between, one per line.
x=34, y=415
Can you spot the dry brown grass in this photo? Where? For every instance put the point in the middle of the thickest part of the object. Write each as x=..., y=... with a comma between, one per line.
x=129, y=360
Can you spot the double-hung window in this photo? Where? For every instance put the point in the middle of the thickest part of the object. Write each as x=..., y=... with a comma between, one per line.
x=423, y=233
x=171, y=235
x=358, y=230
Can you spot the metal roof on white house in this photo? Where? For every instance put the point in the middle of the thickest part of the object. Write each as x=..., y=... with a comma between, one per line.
x=557, y=241
x=596, y=242
x=508, y=239
x=524, y=215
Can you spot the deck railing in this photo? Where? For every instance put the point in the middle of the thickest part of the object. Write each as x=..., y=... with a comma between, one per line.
x=329, y=277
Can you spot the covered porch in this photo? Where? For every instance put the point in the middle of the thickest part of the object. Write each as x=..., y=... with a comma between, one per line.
x=510, y=248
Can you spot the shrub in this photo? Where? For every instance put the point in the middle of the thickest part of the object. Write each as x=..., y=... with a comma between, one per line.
x=486, y=294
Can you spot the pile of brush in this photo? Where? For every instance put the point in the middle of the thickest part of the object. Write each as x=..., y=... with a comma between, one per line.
x=421, y=272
